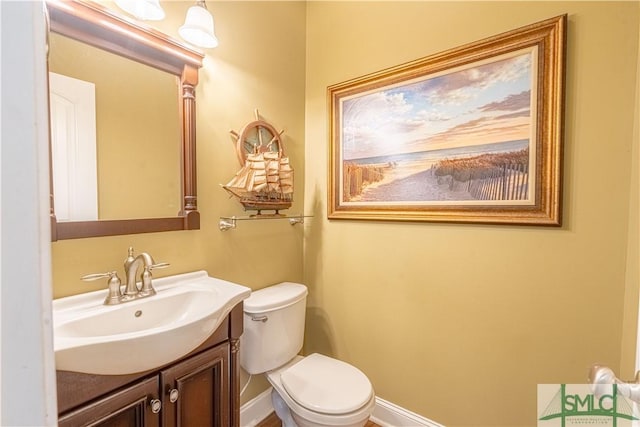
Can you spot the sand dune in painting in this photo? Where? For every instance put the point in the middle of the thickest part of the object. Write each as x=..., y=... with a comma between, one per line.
x=501, y=175
x=410, y=182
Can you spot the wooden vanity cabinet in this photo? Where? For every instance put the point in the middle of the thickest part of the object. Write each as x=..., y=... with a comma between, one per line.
x=201, y=389
x=128, y=407
x=196, y=391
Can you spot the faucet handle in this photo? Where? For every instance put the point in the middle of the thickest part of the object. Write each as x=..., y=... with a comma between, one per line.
x=114, y=283
x=96, y=276
x=147, y=287
x=158, y=265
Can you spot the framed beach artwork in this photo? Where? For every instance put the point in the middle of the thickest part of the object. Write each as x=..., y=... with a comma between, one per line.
x=473, y=134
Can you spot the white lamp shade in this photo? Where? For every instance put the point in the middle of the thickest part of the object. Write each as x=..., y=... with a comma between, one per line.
x=198, y=28
x=149, y=10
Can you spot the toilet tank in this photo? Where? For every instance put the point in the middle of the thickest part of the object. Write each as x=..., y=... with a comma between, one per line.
x=273, y=327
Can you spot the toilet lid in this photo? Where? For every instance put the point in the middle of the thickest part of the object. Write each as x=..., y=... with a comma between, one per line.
x=326, y=385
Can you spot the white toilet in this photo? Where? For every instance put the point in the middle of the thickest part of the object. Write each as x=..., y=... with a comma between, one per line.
x=311, y=391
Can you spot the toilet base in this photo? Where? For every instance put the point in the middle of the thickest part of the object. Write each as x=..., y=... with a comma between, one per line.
x=282, y=410
x=291, y=419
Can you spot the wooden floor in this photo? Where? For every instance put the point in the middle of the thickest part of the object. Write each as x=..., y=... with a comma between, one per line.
x=273, y=421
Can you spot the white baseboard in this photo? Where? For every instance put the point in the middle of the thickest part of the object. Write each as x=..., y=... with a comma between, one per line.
x=385, y=414
x=256, y=410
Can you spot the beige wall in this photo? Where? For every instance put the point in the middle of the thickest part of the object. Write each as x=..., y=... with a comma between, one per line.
x=460, y=323
x=629, y=359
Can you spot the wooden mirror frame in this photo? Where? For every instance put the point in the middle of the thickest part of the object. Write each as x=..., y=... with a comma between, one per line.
x=97, y=26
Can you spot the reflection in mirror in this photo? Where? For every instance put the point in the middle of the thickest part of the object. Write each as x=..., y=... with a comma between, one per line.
x=139, y=171
x=135, y=132
x=72, y=114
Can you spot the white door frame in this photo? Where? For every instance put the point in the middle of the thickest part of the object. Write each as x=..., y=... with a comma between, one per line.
x=27, y=364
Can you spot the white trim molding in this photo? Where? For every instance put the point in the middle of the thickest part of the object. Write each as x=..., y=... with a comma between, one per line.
x=256, y=410
x=385, y=414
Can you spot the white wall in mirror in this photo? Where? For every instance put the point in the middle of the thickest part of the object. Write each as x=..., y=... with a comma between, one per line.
x=73, y=150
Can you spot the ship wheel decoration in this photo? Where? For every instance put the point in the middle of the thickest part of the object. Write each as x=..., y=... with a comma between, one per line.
x=265, y=180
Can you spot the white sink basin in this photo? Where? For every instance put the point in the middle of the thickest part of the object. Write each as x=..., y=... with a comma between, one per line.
x=143, y=334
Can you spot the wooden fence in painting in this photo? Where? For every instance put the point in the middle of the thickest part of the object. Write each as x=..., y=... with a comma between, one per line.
x=509, y=181
x=357, y=176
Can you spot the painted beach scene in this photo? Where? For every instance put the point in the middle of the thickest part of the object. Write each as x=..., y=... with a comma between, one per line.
x=464, y=136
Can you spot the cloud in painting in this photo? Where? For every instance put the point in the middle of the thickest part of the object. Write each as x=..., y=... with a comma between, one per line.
x=409, y=125
x=522, y=113
x=375, y=105
x=484, y=103
x=432, y=116
x=460, y=86
x=486, y=129
x=516, y=102
x=370, y=120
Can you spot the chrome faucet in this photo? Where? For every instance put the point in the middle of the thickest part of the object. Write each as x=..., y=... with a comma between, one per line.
x=132, y=291
x=131, y=266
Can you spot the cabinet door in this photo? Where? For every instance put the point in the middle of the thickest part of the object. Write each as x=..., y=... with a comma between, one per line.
x=129, y=407
x=196, y=391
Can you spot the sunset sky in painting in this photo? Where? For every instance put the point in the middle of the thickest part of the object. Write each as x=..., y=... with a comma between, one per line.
x=480, y=104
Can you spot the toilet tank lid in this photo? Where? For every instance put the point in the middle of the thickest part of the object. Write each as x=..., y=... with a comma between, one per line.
x=274, y=297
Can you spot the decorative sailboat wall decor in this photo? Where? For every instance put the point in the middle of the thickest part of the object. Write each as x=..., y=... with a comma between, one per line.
x=265, y=180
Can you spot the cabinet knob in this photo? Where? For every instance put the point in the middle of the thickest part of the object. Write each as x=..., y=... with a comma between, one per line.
x=173, y=395
x=156, y=405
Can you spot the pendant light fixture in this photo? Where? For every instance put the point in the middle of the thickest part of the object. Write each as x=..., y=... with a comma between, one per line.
x=198, y=26
x=148, y=10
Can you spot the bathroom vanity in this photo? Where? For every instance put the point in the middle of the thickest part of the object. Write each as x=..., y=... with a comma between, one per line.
x=200, y=389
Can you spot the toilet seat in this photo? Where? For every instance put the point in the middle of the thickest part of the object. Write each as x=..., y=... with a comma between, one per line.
x=338, y=387
x=320, y=418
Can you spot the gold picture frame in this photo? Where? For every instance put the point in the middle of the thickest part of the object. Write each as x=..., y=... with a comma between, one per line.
x=473, y=134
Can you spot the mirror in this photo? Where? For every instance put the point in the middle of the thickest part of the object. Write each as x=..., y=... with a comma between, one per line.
x=114, y=135
x=145, y=160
